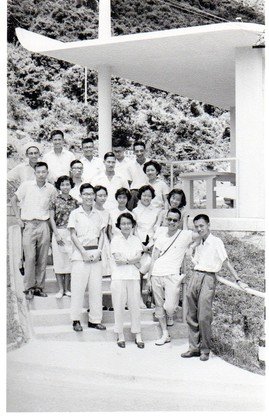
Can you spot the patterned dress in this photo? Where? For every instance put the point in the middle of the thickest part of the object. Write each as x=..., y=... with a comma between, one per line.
x=61, y=254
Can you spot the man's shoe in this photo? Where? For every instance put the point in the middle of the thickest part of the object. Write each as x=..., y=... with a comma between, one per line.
x=68, y=293
x=190, y=354
x=140, y=344
x=169, y=321
x=39, y=292
x=163, y=340
x=29, y=294
x=101, y=327
x=121, y=344
x=204, y=356
x=77, y=327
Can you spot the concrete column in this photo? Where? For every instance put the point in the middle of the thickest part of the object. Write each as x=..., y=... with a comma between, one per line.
x=232, y=139
x=249, y=81
x=104, y=83
x=104, y=29
x=104, y=110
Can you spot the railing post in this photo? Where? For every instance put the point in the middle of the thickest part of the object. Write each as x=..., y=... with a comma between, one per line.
x=184, y=293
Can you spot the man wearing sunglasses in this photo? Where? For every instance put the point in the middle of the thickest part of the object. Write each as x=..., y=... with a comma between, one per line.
x=164, y=272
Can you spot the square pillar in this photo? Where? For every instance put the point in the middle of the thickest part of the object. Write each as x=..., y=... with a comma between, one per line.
x=104, y=110
x=249, y=81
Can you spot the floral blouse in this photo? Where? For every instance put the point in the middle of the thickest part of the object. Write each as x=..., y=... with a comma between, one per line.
x=62, y=209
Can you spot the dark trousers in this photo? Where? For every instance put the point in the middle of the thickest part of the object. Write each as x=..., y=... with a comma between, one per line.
x=134, y=200
x=200, y=295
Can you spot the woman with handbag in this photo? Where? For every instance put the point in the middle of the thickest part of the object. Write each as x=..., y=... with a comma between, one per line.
x=126, y=251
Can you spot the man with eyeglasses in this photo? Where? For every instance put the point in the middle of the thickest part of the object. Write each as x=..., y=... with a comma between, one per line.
x=76, y=172
x=164, y=272
x=25, y=171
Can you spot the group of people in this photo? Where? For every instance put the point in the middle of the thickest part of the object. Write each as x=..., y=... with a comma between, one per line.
x=115, y=217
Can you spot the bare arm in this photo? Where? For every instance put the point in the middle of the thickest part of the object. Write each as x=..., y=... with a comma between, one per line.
x=14, y=203
x=233, y=272
x=54, y=228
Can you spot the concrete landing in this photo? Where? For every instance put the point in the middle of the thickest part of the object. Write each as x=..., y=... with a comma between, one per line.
x=63, y=376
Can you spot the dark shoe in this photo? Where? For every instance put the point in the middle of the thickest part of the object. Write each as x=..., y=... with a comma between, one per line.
x=121, y=344
x=97, y=326
x=204, y=356
x=140, y=344
x=29, y=294
x=21, y=269
x=190, y=354
x=148, y=304
x=39, y=292
x=111, y=308
x=104, y=308
x=77, y=327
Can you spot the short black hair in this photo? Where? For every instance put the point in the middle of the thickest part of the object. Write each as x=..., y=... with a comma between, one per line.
x=123, y=191
x=127, y=215
x=109, y=154
x=98, y=188
x=63, y=178
x=87, y=140
x=54, y=132
x=175, y=211
x=145, y=188
x=156, y=165
x=40, y=164
x=85, y=186
x=178, y=192
x=74, y=162
x=202, y=217
x=139, y=143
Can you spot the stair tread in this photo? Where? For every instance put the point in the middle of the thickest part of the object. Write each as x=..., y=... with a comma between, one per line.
x=61, y=311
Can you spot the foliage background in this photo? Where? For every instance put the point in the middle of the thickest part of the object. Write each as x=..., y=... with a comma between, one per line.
x=44, y=94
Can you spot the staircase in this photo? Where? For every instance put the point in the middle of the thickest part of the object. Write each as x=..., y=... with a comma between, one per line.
x=50, y=318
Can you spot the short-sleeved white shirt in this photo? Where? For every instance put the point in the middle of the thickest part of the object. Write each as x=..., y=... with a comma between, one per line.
x=91, y=168
x=170, y=262
x=22, y=172
x=161, y=190
x=128, y=248
x=88, y=228
x=146, y=218
x=137, y=175
x=34, y=201
x=114, y=214
x=59, y=164
x=210, y=255
x=122, y=168
x=112, y=186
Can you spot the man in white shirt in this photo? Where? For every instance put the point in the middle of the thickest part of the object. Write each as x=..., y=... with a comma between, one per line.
x=76, y=172
x=122, y=162
x=92, y=165
x=210, y=256
x=34, y=197
x=58, y=159
x=110, y=180
x=168, y=253
x=25, y=171
x=86, y=227
x=137, y=176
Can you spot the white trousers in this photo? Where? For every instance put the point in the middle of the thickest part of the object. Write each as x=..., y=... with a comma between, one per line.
x=126, y=291
x=166, y=291
x=84, y=273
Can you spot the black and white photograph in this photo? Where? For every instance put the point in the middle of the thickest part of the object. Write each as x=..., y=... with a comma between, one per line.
x=135, y=206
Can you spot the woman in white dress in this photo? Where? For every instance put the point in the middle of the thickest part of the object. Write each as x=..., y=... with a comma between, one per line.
x=122, y=196
x=176, y=199
x=126, y=251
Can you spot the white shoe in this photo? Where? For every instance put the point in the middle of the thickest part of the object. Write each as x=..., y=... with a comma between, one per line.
x=68, y=293
x=59, y=295
x=163, y=340
x=169, y=321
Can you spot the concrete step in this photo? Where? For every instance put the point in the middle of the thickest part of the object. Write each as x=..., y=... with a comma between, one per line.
x=51, y=285
x=51, y=302
x=53, y=317
x=150, y=331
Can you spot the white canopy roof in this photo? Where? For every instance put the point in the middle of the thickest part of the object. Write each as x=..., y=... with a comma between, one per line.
x=196, y=62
